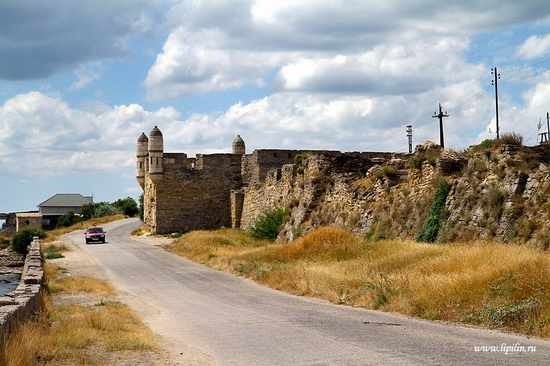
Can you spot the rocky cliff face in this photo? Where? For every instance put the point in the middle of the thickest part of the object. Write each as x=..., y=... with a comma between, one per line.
x=500, y=194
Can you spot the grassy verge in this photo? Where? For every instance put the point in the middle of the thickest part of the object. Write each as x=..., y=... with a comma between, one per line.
x=67, y=332
x=480, y=283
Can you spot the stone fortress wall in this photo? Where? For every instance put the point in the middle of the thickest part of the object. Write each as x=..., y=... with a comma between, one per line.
x=212, y=190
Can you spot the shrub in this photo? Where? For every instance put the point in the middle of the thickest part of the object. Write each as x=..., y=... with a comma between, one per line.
x=269, y=223
x=484, y=145
x=23, y=238
x=511, y=138
x=68, y=219
x=431, y=227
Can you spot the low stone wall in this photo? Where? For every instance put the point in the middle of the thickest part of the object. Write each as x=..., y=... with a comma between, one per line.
x=19, y=305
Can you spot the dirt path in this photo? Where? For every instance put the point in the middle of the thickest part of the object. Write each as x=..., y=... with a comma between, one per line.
x=79, y=263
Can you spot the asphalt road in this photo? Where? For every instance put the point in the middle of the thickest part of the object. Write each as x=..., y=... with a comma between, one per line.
x=229, y=320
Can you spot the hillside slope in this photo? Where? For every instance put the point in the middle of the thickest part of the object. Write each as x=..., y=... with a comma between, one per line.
x=500, y=194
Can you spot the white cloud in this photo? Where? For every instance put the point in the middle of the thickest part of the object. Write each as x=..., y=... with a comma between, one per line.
x=42, y=135
x=534, y=47
x=388, y=47
x=86, y=74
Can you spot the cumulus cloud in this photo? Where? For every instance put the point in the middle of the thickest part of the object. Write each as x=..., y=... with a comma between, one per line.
x=389, y=47
x=86, y=74
x=534, y=47
x=39, y=39
x=43, y=136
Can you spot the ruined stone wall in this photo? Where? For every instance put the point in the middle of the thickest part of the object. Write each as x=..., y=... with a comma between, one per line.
x=501, y=195
x=19, y=305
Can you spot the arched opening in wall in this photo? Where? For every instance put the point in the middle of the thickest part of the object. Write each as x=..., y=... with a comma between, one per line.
x=274, y=155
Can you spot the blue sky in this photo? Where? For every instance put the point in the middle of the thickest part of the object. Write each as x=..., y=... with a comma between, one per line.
x=80, y=81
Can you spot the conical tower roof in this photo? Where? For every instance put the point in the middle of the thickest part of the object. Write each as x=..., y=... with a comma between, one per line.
x=238, y=146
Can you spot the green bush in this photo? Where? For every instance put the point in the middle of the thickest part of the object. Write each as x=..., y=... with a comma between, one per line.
x=23, y=238
x=269, y=224
x=100, y=209
x=68, y=219
x=431, y=227
x=485, y=144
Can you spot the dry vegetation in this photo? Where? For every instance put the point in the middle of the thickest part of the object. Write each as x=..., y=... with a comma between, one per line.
x=479, y=283
x=69, y=333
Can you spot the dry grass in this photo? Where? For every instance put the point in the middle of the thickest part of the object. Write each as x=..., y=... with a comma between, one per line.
x=66, y=333
x=479, y=283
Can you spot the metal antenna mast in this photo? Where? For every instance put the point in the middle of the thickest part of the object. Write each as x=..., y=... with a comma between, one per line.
x=440, y=116
x=410, y=136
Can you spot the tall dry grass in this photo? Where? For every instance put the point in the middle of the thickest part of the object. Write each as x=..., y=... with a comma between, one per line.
x=480, y=283
x=66, y=333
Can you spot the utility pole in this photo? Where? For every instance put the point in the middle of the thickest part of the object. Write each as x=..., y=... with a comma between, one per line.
x=495, y=83
x=544, y=137
x=440, y=116
x=410, y=136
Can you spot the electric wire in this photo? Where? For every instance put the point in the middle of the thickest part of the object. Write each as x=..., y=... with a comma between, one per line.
x=470, y=101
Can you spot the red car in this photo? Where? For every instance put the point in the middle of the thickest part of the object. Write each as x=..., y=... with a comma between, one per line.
x=95, y=233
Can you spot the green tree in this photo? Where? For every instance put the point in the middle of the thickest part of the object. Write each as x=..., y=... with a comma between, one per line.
x=23, y=238
x=128, y=206
x=141, y=206
x=88, y=210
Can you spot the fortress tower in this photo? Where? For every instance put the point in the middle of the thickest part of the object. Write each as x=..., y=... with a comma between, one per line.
x=142, y=148
x=156, y=150
x=238, y=146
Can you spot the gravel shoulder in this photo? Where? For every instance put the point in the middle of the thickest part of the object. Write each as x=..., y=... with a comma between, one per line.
x=77, y=262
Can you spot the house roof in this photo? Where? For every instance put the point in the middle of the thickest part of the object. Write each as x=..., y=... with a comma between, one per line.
x=66, y=200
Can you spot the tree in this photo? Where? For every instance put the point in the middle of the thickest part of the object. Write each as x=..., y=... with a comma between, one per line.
x=128, y=206
x=88, y=210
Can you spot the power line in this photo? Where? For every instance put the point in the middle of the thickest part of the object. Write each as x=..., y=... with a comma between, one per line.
x=471, y=100
x=470, y=92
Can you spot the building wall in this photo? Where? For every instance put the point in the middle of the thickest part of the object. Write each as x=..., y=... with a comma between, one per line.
x=28, y=220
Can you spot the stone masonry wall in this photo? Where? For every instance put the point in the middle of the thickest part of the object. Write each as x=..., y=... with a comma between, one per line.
x=192, y=199
x=502, y=195
x=24, y=302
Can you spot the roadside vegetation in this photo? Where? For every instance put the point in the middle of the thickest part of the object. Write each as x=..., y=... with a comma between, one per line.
x=479, y=283
x=66, y=332
x=126, y=207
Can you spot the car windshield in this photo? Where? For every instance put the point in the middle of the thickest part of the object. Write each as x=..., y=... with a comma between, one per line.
x=95, y=230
